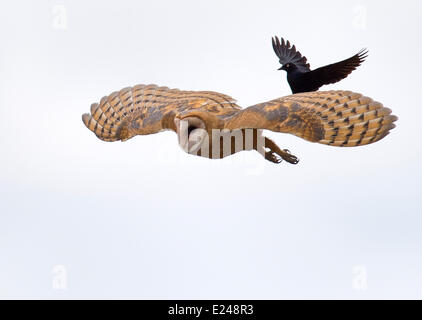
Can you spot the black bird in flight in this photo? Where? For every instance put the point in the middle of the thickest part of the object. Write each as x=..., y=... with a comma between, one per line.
x=299, y=74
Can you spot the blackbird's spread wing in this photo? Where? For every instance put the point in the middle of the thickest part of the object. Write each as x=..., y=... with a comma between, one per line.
x=148, y=109
x=337, y=118
x=288, y=54
x=334, y=72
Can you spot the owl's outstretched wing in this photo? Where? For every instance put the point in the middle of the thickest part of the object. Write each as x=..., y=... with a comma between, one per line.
x=147, y=109
x=337, y=118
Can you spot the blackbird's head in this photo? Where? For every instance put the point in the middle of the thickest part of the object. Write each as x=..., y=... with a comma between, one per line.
x=288, y=67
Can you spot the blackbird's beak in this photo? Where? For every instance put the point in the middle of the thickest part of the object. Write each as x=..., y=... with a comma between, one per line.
x=281, y=68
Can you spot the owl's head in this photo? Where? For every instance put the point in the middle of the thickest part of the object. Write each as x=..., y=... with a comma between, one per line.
x=191, y=132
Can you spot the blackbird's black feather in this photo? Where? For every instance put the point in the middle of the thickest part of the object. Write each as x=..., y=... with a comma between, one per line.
x=288, y=54
x=299, y=74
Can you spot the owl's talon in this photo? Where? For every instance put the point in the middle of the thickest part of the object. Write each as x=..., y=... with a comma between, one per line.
x=287, y=156
x=271, y=156
x=281, y=154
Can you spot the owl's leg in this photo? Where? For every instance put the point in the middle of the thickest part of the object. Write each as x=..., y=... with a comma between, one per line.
x=275, y=150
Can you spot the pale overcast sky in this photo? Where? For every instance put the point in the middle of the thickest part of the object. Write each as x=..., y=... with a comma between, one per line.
x=81, y=218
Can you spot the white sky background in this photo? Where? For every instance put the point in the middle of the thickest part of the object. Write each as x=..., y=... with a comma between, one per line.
x=142, y=219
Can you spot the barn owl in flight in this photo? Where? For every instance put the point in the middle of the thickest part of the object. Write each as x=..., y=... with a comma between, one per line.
x=210, y=124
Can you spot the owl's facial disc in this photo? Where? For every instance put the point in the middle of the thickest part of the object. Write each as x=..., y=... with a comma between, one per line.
x=191, y=133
